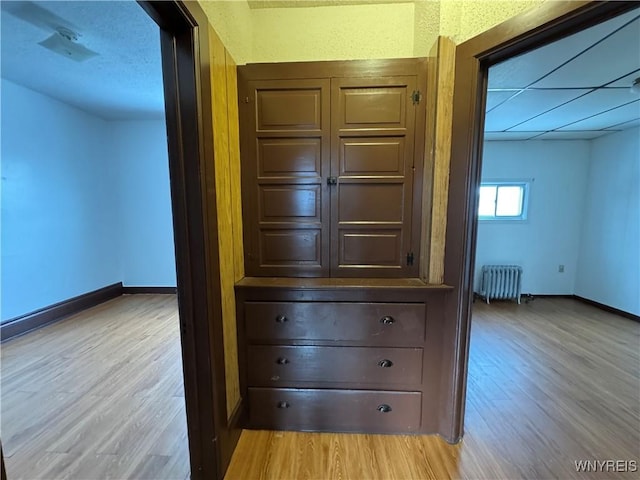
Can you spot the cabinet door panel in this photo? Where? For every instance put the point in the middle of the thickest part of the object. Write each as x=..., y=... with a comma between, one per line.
x=281, y=248
x=289, y=109
x=370, y=203
x=371, y=249
x=372, y=154
x=285, y=161
x=291, y=203
x=364, y=107
x=293, y=157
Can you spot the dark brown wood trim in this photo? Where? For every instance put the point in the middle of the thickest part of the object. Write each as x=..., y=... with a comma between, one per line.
x=524, y=297
x=329, y=283
x=343, y=68
x=187, y=88
x=539, y=26
x=3, y=472
x=58, y=311
x=422, y=191
x=239, y=417
x=607, y=308
x=153, y=290
x=533, y=296
x=593, y=303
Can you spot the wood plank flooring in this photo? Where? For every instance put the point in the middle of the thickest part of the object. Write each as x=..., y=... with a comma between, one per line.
x=98, y=395
x=550, y=383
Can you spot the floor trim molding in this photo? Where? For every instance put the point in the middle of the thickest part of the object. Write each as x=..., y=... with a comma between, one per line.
x=154, y=290
x=53, y=313
x=237, y=420
x=607, y=308
x=593, y=303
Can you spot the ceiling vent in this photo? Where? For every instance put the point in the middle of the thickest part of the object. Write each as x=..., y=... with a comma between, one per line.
x=64, y=42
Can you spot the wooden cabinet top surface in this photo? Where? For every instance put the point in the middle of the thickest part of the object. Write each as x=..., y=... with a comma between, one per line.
x=339, y=283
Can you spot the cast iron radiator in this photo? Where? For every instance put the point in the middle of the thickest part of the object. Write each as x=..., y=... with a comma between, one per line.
x=501, y=282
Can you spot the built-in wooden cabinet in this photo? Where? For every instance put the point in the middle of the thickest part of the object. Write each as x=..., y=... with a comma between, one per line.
x=332, y=162
x=341, y=355
x=333, y=175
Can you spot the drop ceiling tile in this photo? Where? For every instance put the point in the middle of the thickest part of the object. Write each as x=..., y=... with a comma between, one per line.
x=526, y=105
x=625, y=125
x=491, y=136
x=615, y=56
x=495, y=98
x=624, y=113
x=522, y=71
x=588, y=105
x=581, y=135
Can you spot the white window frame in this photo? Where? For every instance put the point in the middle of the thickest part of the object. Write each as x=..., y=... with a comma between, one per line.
x=526, y=189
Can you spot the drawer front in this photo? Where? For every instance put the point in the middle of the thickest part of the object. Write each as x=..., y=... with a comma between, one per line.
x=370, y=323
x=277, y=365
x=334, y=410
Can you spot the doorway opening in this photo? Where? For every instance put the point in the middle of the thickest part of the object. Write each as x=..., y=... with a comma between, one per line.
x=86, y=218
x=558, y=135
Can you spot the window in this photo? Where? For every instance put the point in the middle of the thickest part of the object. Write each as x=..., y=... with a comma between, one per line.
x=503, y=201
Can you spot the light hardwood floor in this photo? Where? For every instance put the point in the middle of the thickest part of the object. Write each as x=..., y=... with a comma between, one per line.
x=100, y=396
x=550, y=383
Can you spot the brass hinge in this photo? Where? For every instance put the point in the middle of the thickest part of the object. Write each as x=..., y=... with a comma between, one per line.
x=410, y=258
x=416, y=96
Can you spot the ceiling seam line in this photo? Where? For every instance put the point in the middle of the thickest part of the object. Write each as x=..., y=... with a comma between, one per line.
x=584, y=51
x=599, y=113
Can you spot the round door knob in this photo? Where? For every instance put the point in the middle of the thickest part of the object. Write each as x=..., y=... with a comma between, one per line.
x=282, y=361
x=387, y=320
x=384, y=408
x=385, y=363
x=283, y=404
x=281, y=319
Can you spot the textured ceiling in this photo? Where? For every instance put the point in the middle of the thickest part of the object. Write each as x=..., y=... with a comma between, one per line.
x=253, y=4
x=124, y=81
x=575, y=88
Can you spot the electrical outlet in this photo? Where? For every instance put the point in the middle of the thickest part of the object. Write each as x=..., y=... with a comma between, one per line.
x=561, y=268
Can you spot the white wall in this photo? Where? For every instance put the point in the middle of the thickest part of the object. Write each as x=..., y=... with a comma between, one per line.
x=609, y=260
x=85, y=203
x=146, y=240
x=59, y=218
x=550, y=236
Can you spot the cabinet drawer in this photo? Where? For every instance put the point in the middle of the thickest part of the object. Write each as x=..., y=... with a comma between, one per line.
x=277, y=365
x=335, y=410
x=370, y=323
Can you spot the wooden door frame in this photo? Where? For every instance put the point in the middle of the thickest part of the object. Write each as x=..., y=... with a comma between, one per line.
x=527, y=31
x=189, y=118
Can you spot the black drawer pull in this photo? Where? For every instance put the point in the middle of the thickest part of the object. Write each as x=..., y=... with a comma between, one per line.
x=385, y=363
x=384, y=408
x=283, y=404
x=387, y=320
x=281, y=319
x=282, y=361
